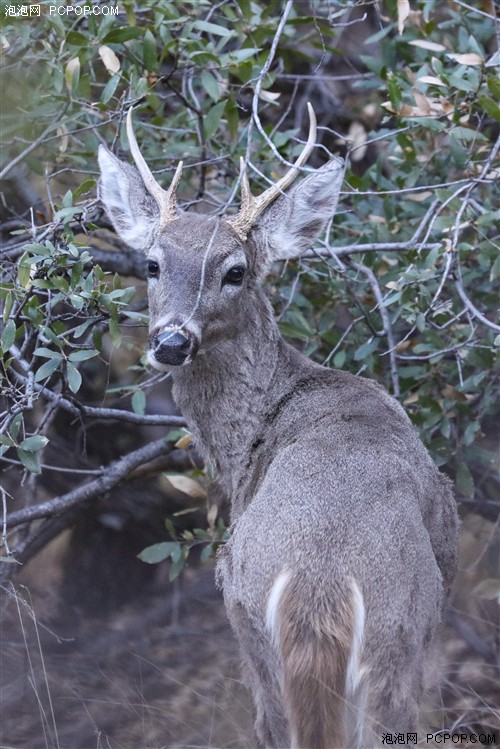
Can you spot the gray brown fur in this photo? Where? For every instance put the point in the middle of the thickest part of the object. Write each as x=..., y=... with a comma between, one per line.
x=329, y=483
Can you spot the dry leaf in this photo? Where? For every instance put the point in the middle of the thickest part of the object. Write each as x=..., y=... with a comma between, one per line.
x=432, y=79
x=448, y=107
x=403, y=13
x=72, y=71
x=413, y=398
x=185, y=442
x=269, y=96
x=467, y=59
x=187, y=486
x=109, y=58
x=424, y=44
x=424, y=105
x=62, y=131
x=356, y=135
x=212, y=515
x=418, y=197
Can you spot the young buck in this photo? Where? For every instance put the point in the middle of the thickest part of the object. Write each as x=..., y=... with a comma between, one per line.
x=343, y=538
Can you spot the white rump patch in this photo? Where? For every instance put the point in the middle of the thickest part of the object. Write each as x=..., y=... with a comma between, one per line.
x=273, y=603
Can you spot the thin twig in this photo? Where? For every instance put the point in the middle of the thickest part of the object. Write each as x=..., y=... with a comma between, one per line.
x=8, y=168
x=386, y=322
x=5, y=544
x=471, y=307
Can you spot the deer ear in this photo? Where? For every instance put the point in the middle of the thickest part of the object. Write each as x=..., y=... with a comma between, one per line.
x=291, y=224
x=131, y=210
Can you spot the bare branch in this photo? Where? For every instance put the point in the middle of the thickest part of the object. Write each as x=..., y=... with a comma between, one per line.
x=111, y=476
x=370, y=247
x=386, y=322
x=471, y=307
x=117, y=414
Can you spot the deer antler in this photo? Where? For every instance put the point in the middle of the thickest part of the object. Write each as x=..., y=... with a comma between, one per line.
x=251, y=206
x=166, y=199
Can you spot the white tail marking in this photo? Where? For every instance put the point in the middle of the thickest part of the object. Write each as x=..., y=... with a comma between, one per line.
x=354, y=669
x=273, y=603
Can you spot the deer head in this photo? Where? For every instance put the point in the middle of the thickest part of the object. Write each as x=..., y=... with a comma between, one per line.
x=203, y=271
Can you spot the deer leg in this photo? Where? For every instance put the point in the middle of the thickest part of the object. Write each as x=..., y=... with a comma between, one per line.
x=260, y=670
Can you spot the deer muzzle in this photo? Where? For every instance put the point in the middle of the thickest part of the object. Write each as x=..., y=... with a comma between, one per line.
x=173, y=347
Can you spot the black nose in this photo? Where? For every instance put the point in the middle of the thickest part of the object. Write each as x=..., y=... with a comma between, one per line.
x=171, y=348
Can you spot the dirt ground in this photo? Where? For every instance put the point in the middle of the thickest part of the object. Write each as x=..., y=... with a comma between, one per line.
x=162, y=670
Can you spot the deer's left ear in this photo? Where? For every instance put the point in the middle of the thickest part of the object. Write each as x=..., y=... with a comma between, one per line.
x=132, y=211
x=291, y=224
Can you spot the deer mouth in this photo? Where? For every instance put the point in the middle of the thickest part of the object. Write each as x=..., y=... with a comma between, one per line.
x=172, y=347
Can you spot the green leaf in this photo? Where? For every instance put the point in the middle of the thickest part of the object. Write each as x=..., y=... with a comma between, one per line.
x=122, y=35
x=171, y=529
x=464, y=481
x=110, y=88
x=24, y=273
x=37, y=249
x=139, y=402
x=34, y=443
x=339, y=359
x=15, y=426
x=178, y=565
x=366, y=349
x=86, y=186
x=212, y=28
x=48, y=353
x=202, y=58
x=66, y=214
x=212, y=119
x=115, y=332
x=149, y=51
x=207, y=552
x=29, y=460
x=8, y=335
x=489, y=106
x=237, y=56
x=83, y=354
x=74, y=378
x=80, y=330
x=159, y=552
x=47, y=369
x=77, y=39
x=210, y=85
x=494, y=86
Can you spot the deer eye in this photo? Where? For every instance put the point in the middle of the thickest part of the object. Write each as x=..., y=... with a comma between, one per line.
x=234, y=276
x=153, y=269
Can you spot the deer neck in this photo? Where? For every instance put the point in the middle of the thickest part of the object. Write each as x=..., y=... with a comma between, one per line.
x=223, y=393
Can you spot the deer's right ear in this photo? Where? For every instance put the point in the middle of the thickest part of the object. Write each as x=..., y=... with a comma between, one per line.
x=131, y=209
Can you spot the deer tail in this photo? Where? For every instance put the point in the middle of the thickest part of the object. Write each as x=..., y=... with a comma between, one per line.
x=320, y=647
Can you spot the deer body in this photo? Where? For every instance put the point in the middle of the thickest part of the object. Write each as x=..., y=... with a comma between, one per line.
x=343, y=535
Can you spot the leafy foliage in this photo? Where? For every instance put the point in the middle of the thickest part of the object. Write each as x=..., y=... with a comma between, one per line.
x=401, y=289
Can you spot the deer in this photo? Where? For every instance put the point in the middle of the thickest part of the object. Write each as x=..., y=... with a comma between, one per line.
x=343, y=532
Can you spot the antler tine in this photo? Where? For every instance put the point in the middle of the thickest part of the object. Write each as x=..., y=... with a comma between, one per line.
x=252, y=207
x=166, y=199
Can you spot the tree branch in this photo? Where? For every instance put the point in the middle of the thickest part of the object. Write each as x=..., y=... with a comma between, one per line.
x=110, y=477
x=104, y=413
